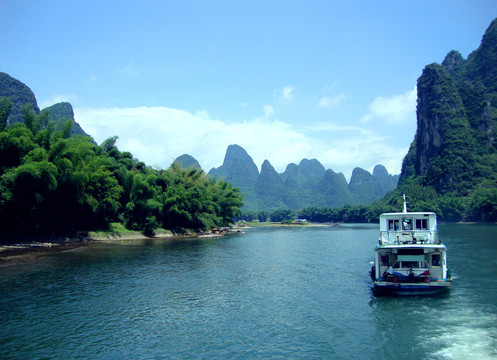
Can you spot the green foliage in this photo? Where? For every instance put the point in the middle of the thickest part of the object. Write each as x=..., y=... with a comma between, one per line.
x=483, y=202
x=192, y=199
x=26, y=191
x=5, y=106
x=142, y=210
x=29, y=117
x=52, y=184
x=15, y=143
x=282, y=215
x=66, y=130
x=59, y=114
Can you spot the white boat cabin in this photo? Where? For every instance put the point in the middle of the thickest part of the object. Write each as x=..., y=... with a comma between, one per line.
x=409, y=243
x=408, y=228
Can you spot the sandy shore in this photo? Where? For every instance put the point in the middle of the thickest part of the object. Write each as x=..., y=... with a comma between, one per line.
x=22, y=252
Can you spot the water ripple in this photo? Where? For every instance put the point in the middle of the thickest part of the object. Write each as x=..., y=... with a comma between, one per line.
x=271, y=293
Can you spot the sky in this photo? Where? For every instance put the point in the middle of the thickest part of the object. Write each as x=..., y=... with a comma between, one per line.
x=286, y=80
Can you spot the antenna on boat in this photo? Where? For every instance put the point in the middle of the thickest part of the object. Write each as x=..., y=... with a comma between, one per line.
x=405, y=203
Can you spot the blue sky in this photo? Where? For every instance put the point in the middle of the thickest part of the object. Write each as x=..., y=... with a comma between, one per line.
x=286, y=80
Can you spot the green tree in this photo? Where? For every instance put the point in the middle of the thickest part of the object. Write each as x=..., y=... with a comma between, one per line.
x=483, y=202
x=25, y=191
x=142, y=210
x=29, y=118
x=281, y=215
x=15, y=143
x=66, y=130
x=5, y=106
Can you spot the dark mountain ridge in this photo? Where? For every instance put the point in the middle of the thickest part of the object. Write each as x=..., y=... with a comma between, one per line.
x=22, y=96
x=19, y=94
x=453, y=157
x=187, y=161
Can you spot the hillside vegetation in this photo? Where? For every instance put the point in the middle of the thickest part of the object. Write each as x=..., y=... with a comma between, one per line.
x=54, y=184
x=451, y=167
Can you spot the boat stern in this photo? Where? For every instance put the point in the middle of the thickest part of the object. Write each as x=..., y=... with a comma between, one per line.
x=404, y=288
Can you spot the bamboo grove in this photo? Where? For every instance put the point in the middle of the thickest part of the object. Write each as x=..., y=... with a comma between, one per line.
x=52, y=184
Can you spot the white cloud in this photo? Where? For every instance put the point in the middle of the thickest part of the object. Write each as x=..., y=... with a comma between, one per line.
x=91, y=81
x=268, y=110
x=157, y=135
x=55, y=99
x=130, y=71
x=354, y=146
x=365, y=152
x=284, y=96
x=287, y=92
x=331, y=101
x=394, y=110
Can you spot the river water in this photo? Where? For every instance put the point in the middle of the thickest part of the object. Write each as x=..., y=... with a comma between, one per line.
x=273, y=292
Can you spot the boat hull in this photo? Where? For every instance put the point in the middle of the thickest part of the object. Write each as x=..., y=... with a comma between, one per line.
x=396, y=288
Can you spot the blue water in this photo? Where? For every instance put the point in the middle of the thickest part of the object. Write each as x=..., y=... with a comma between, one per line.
x=275, y=293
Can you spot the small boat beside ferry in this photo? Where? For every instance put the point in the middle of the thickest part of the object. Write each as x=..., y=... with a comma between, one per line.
x=409, y=258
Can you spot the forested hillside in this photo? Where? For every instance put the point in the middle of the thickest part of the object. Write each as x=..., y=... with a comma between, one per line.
x=61, y=112
x=451, y=166
x=53, y=184
x=19, y=95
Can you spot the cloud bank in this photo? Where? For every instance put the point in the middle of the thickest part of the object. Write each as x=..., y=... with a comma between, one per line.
x=394, y=110
x=157, y=135
x=331, y=101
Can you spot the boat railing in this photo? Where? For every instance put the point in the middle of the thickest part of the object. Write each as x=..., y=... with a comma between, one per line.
x=392, y=237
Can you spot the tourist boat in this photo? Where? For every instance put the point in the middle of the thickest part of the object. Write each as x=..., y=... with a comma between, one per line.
x=410, y=259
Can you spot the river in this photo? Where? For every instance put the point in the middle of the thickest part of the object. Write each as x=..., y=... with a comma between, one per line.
x=272, y=292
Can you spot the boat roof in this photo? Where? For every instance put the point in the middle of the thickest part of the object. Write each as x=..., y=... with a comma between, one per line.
x=424, y=213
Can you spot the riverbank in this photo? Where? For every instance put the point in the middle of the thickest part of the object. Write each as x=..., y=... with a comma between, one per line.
x=29, y=250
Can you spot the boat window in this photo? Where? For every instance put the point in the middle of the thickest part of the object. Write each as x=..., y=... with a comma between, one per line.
x=435, y=260
x=406, y=224
x=422, y=224
x=410, y=264
x=411, y=251
x=393, y=225
x=385, y=260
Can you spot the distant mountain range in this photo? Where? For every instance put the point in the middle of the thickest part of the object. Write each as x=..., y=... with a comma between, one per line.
x=307, y=184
